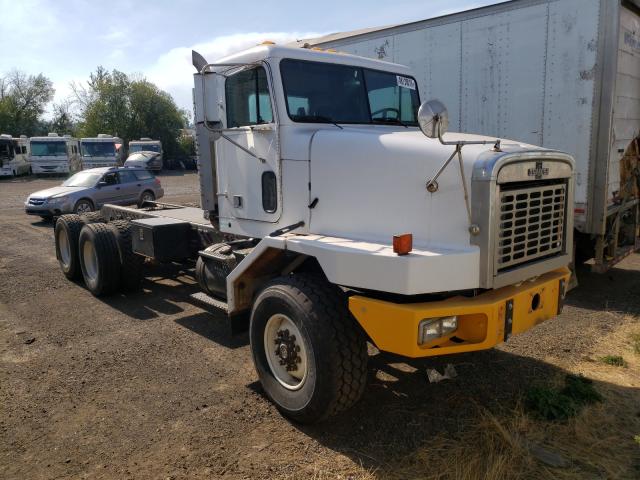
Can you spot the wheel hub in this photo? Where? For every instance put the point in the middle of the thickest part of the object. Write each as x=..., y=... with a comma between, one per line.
x=287, y=350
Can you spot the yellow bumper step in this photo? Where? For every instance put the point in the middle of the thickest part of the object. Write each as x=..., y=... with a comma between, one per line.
x=483, y=321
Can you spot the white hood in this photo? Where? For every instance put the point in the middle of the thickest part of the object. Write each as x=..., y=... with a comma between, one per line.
x=371, y=184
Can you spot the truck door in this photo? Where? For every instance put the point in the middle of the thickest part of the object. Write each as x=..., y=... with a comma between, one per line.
x=249, y=183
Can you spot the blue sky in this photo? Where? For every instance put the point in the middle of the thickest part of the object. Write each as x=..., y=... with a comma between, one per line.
x=67, y=39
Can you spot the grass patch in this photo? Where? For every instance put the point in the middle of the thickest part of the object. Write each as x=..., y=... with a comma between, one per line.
x=635, y=342
x=555, y=404
x=613, y=360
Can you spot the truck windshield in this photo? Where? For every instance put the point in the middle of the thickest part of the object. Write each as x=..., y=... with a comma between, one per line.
x=44, y=149
x=327, y=92
x=83, y=179
x=144, y=148
x=98, y=149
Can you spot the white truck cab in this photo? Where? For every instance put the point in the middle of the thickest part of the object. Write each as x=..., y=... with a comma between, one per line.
x=338, y=211
x=101, y=151
x=14, y=156
x=54, y=154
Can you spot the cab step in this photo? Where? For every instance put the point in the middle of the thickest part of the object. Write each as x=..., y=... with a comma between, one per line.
x=238, y=323
x=208, y=302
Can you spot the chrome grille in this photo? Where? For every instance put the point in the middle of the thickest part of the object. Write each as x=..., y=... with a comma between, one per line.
x=531, y=224
x=36, y=201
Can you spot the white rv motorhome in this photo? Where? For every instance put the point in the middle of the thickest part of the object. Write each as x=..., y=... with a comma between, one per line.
x=54, y=154
x=101, y=151
x=148, y=145
x=14, y=156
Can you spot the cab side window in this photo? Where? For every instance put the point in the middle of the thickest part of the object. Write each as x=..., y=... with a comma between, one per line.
x=247, y=98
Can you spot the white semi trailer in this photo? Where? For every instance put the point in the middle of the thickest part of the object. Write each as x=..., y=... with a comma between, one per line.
x=329, y=219
x=563, y=74
x=54, y=154
x=101, y=151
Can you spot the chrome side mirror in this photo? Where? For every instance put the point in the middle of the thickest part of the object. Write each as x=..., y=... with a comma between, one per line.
x=433, y=118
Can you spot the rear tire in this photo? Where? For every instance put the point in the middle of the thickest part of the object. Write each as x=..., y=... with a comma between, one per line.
x=332, y=375
x=67, y=233
x=93, y=217
x=147, y=196
x=131, y=264
x=99, y=259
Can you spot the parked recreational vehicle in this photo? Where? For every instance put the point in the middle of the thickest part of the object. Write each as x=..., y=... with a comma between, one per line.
x=101, y=151
x=563, y=74
x=54, y=154
x=148, y=145
x=14, y=156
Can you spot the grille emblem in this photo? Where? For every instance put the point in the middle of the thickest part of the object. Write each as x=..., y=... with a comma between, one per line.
x=539, y=171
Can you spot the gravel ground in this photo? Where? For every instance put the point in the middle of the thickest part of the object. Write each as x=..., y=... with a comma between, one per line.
x=151, y=386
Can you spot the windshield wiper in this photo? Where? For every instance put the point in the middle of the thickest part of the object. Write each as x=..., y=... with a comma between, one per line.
x=395, y=121
x=316, y=118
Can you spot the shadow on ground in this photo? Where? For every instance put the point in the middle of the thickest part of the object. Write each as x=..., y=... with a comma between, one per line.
x=165, y=286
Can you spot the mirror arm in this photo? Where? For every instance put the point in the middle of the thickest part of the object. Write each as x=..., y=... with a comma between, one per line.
x=432, y=184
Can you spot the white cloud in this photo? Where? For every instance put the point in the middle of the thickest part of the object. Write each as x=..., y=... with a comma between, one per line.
x=173, y=70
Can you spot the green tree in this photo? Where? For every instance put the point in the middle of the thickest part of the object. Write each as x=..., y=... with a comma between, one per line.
x=63, y=119
x=114, y=103
x=23, y=99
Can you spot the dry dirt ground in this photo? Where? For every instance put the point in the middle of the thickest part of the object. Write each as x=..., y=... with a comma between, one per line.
x=152, y=386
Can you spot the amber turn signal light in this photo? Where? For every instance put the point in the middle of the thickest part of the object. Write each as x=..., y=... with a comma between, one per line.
x=403, y=244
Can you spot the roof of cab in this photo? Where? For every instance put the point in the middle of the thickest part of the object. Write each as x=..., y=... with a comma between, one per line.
x=264, y=51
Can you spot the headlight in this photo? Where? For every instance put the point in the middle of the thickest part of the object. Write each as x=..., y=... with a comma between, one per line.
x=57, y=200
x=431, y=329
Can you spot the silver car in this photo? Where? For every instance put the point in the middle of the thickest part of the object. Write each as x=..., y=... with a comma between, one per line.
x=88, y=190
x=145, y=159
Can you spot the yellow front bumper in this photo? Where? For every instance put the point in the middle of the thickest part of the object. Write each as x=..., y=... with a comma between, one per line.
x=483, y=321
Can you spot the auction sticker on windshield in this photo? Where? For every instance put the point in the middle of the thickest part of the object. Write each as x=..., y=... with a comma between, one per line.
x=406, y=82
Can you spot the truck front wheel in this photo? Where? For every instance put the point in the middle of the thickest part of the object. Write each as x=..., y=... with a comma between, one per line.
x=310, y=354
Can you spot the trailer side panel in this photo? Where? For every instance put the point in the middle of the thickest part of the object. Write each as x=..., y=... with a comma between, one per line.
x=626, y=112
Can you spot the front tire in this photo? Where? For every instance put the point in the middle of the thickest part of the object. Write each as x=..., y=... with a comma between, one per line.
x=83, y=206
x=309, y=353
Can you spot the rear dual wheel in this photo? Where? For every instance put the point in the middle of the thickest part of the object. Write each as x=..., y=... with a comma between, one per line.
x=99, y=259
x=67, y=233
